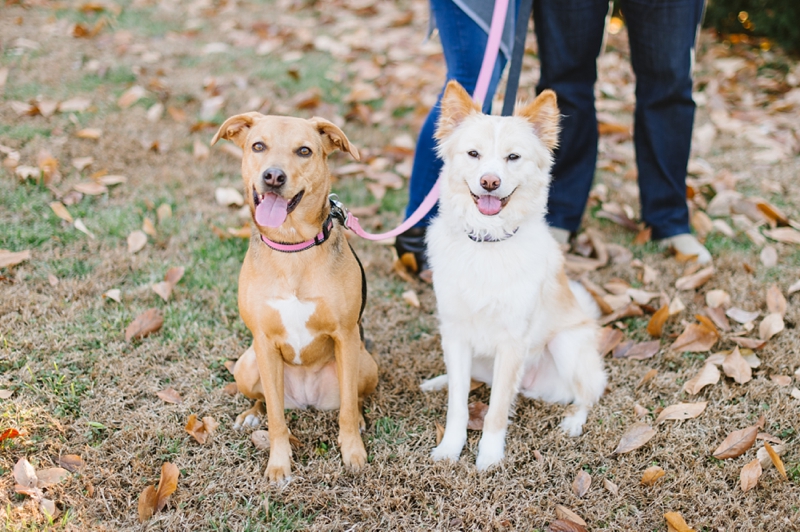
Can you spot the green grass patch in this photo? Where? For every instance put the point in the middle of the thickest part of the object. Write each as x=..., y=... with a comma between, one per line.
x=24, y=132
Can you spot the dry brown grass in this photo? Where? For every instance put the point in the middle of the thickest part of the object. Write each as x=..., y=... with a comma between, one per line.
x=79, y=388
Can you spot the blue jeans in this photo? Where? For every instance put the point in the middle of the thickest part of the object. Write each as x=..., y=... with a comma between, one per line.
x=570, y=32
x=662, y=36
x=464, y=44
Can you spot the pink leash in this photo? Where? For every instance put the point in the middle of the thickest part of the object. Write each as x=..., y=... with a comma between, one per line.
x=481, y=88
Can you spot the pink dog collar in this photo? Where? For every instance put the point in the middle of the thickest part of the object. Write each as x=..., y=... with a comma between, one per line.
x=321, y=237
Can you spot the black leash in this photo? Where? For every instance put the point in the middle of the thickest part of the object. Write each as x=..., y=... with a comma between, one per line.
x=520, y=33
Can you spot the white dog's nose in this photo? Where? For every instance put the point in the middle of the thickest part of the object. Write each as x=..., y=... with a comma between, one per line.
x=490, y=182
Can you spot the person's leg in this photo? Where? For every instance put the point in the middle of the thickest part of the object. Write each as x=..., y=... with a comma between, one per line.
x=570, y=34
x=662, y=36
x=464, y=44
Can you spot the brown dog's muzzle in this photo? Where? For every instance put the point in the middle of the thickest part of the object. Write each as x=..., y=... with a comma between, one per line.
x=274, y=178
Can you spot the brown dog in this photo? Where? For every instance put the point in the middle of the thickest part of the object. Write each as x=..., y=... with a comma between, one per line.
x=303, y=308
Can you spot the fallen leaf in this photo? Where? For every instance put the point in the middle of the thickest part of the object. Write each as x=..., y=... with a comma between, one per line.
x=639, y=410
x=260, y=439
x=642, y=350
x=697, y=337
x=137, y=240
x=636, y=436
x=61, y=211
x=651, y=475
x=25, y=474
x=650, y=375
x=89, y=133
x=170, y=395
x=80, y=226
x=682, y=411
x=786, y=235
x=227, y=196
x=750, y=475
x=74, y=105
x=581, y=483
x=608, y=339
x=771, y=325
x=477, y=411
x=741, y=316
x=410, y=297
x=656, y=324
x=50, y=476
x=708, y=375
x=131, y=96
x=736, y=443
x=52, y=279
x=794, y=288
x=71, y=462
x=9, y=433
x=768, y=256
x=147, y=322
x=439, y=432
x=696, y=280
x=736, y=367
x=610, y=486
x=90, y=188
x=649, y=274
x=748, y=343
x=115, y=294
x=563, y=525
x=776, y=460
x=564, y=513
x=781, y=380
x=5, y=394
x=795, y=393
x=12, y=258
x=148, y=228
x=630, y=310
x=231, y=389
x=147, y=503
x=200, y=430
x=675, y=522
x=81, y=163
x=163, y=289
x=776, y=303
x=718, y=298
x=676, y=306
x=174, y=275
x=48, y=508
x=163, y=212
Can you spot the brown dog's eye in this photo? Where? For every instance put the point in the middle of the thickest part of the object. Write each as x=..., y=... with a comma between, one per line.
x=259, y=146
x=304, y=151
x=473, y=153
x=513, y=157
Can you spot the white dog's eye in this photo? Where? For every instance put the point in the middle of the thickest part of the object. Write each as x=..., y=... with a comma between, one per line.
x=304, y=151
x=473, y=153
x=513, y=157
x=259, y=146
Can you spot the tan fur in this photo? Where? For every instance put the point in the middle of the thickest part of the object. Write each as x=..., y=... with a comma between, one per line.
x=336, y=371
x=543, y=114
x=456, y=106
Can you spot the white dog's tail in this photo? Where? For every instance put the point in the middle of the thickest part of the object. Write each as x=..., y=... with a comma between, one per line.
x=585, y=300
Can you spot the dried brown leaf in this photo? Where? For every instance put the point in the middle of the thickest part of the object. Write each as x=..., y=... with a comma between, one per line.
x=80, y=226
x=697, y=337
x=477, y=411
x=717, y=315
x=776, y=460
x=748, y=343
x=25, y=474
x=736, y=367
x=708, y=375
x=771, y=325
x=147, y=503
x=656, y=324
x=167, y=484
x=608, y=339
x=148, y=227
x=610, y=486
x=781, y=380
x=12, y=258
x=741, y=316
x=639, y=410
x=642, y=350
x=651, y=475
x=137, y=240
x=787, y=235
x=170, y=395
x=163, y=212
x=736, y=443
x=750, y=475
x=146, y=323
x=718, y=298
x=90, y=188
x=675, y=522
x=682, y=411
x=776, y=303
x=768, y=256
x=562, y=512
x=636, y=436
x=628, y=311
x=676, y=306
x=260, y=439
x=71, y=462
x=696, y=280
x=562, y=525
x=650, y=375
x=50, y=476
x=581, y=484
x=411, y=298
x=61, y=211
x=131, y=96
x=5, y=394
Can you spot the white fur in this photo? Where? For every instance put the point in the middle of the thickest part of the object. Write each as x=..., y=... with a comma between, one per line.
x=506, y=315
x=294, y=316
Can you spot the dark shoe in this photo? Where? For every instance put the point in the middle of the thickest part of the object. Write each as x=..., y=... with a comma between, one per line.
x=410, y=247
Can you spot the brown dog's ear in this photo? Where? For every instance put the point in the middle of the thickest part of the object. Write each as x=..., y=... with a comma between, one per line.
x=543, y=114
x=456, y=106
x=333, y=138
x=235, y=128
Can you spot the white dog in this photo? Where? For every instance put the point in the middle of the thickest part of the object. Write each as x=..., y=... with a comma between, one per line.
x=509, y=316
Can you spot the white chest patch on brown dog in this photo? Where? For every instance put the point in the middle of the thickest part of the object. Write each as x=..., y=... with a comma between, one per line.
x=294, y=316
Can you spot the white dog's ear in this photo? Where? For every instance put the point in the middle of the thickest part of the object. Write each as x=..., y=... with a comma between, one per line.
x=333, y=138
x=543, y=114
x=456, y=106
x=236, y=127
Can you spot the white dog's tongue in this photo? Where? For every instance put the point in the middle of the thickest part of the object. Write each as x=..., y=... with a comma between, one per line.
x=489, y=205
x=271, y=212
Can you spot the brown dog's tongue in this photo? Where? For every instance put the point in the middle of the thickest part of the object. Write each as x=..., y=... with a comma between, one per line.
x=271, y=212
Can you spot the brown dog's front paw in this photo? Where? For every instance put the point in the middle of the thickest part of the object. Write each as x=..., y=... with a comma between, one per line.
x=354, y=456
x=278, y=472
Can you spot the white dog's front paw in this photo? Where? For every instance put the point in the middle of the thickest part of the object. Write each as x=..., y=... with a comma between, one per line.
x=435, y=384
x=491, y=450
x=573, y=424
x=447, y=450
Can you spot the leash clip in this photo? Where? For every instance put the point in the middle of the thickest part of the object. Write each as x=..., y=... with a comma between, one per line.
x=338, y=210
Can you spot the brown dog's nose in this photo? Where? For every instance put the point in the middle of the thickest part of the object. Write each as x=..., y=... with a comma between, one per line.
x=490, y=182
x=274, y=177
